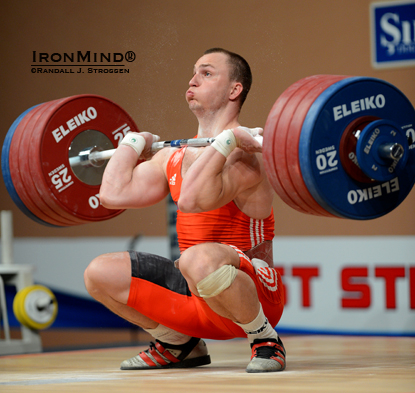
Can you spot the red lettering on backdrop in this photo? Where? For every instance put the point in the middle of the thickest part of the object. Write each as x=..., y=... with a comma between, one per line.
x=306, y=274
x=355, y=284
x=390, y=274
x=349, y=284
x=412, y=287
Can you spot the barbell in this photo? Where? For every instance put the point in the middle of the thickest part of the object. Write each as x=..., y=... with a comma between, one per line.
x=333, y=146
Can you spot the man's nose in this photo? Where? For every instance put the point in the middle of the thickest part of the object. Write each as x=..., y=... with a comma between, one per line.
x=194, y=81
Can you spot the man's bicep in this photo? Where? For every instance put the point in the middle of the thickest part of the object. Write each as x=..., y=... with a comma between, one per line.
x=149, y=184
x=144, y=186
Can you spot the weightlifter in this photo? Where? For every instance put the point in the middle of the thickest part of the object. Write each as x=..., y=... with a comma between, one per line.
x=223, y=286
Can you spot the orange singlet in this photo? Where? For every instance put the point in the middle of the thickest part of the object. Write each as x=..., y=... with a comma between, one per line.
x=159, y=291
x=227, y=224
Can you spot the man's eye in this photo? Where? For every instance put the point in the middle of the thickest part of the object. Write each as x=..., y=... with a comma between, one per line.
x=207, y=73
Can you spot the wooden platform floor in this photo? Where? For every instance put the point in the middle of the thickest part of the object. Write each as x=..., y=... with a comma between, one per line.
x=315, y=364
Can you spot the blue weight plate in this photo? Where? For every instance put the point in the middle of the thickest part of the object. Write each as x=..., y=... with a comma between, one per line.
x=323, y=173
x=369, y=150
x=5, y=168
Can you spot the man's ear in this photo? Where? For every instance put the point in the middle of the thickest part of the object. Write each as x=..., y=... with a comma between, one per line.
x=236, y=90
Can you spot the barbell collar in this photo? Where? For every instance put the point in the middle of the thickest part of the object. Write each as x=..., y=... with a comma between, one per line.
x=394, y=151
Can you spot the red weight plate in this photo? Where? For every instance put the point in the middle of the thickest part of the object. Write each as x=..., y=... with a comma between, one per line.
x=34, y=148
x=16, y=173
x=347, y=148
x=44, y=197
x=293, y=138
x=270, y=132
x=14, y=164
x=280, y=144
x=50, y=149
x=26, y=164
x=280, y=147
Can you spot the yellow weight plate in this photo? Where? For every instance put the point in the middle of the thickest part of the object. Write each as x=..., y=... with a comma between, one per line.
x=18, y=305
x=35, y=307
x=15, y=308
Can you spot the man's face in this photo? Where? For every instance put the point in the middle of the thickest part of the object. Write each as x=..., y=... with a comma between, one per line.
x=210, y=86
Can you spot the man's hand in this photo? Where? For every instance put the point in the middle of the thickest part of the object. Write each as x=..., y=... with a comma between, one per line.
x=141, y=142
x=245, y=139
x=150, y=139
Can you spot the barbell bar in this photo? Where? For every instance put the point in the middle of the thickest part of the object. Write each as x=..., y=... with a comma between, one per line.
x=92, y=156
x=334, y=146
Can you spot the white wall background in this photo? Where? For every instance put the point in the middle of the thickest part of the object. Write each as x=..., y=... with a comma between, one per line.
x=59, y=264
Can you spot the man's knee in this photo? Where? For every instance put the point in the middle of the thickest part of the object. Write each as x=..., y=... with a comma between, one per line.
x=93, y=275
x=200, y=261
x=108, y=273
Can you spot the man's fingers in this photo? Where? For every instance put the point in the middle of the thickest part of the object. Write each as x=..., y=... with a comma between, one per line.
x=252, y=131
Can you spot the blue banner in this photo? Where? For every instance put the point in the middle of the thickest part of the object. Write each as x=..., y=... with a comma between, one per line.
x=393, y=34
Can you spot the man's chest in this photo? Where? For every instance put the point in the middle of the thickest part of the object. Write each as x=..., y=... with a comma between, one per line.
x=190, y=156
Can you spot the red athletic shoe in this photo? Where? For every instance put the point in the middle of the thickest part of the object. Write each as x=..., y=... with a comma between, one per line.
x=163, y=355
x=267, y=356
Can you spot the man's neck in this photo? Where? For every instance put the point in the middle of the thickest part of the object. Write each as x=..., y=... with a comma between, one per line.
x=211, y=125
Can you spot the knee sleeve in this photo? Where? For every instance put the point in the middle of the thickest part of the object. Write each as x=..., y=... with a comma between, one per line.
x=217, y=282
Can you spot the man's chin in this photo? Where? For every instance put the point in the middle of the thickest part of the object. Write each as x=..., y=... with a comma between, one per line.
x=194, y=106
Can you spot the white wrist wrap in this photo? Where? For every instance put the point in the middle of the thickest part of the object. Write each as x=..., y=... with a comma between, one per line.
x=134, y=140
x=225, y=142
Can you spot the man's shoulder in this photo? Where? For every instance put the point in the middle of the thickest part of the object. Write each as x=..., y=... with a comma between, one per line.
x=163, y=156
